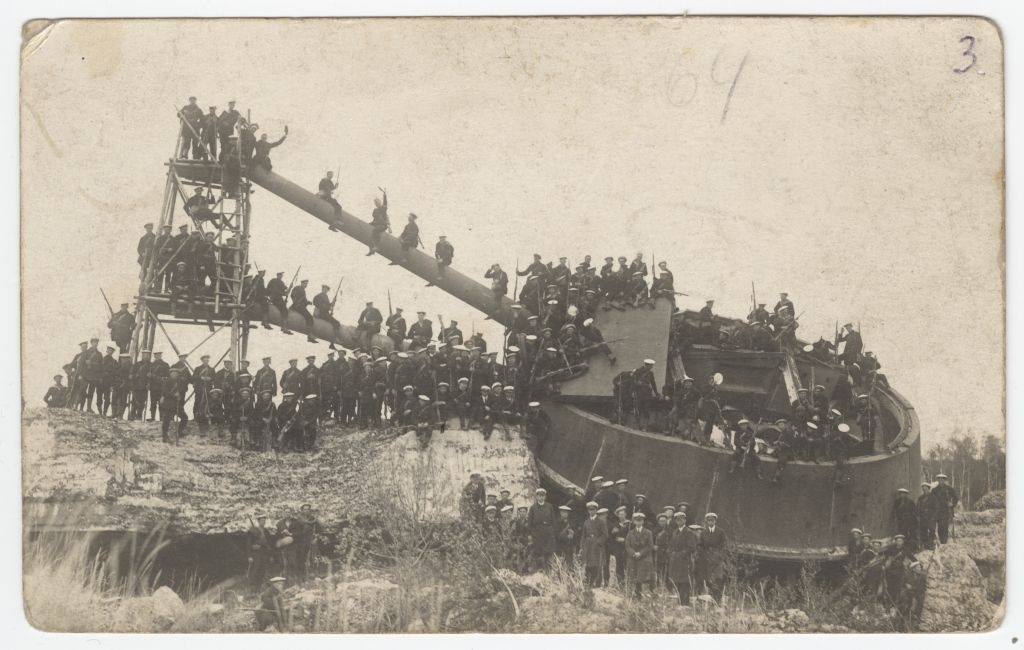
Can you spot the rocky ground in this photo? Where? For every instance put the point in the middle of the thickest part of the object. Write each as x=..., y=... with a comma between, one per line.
x=116, y=475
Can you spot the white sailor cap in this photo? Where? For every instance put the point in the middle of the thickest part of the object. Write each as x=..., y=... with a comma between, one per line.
x=819, y=387
x=552, y=302
x=592, y=504
x=812, y=426
x=403, y=355
x=540, y=491
x=681, y=513
x=513, y=349
x=276, y=579
x=639, y=515
x=835, y=413
x=550, y=349
x=424, y=398
x=531, y=337
x=597, y=479
x=288, y=395
x=862, y=396
x=405, y=388
x=622, y=508
x=856, y=530
x=443, y=383
x=744, y=421
x=532, y=404
x=649, y=362
x=311, y=396
x=711, y=515
x=588, y=322
x=507, y=508
x=622, y=481
x=641, y=496
x=602, y=511
x=905, y=490
x=941, y=476
x=565, y=508
x=492, y=507
x=516, y=305
x=608, y=484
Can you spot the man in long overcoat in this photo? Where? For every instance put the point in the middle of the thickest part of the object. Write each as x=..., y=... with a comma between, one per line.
x=682, y=551
x=593, y=540
x=639, y=555
x=711, y=556
x=541, y=522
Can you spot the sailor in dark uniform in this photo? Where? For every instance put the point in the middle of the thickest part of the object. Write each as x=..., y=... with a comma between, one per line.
x=379, y=222
x=410, y=238
x=854, y=344
x=947, y=499
x=396, y=327
x=323, y=307
x=191, y=123
x=277, y=292
x=300, y=305
x=57, y=395
x=369, y=322
x=325, y=190
x=784, y=303
x=444, y=252
x=499, y=283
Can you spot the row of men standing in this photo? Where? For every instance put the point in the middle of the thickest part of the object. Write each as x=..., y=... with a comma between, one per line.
x=668, y=552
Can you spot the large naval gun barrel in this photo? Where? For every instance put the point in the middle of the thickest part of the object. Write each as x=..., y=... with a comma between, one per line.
x=458, y=285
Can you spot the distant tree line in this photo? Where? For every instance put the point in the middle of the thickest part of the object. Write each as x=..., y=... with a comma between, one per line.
x=973, y=469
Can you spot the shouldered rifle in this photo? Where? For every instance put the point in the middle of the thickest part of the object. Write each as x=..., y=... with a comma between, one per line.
x=109, y=308
x=292, y=283
x=835, y=345
x=515, y=288
x=440, y=323
x=337, y=292
x=390, y=312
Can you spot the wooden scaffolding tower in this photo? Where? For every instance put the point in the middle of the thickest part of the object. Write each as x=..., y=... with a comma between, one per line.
x=221, y=303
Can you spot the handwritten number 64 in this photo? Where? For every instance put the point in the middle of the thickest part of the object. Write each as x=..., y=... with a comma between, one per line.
x=968, y=52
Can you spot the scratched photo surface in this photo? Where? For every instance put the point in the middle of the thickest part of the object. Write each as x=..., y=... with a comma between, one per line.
x=855, y=163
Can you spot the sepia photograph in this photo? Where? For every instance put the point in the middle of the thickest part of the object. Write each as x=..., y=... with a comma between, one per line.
x=512, y=325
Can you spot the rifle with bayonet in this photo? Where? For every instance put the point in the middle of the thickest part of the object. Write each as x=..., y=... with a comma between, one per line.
x=109, y=308
x=337, y=292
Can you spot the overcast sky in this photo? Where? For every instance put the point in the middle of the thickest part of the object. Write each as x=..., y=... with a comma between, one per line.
x=843, y=161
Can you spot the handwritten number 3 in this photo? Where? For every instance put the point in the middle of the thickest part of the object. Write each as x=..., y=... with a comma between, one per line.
x=968, y=52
